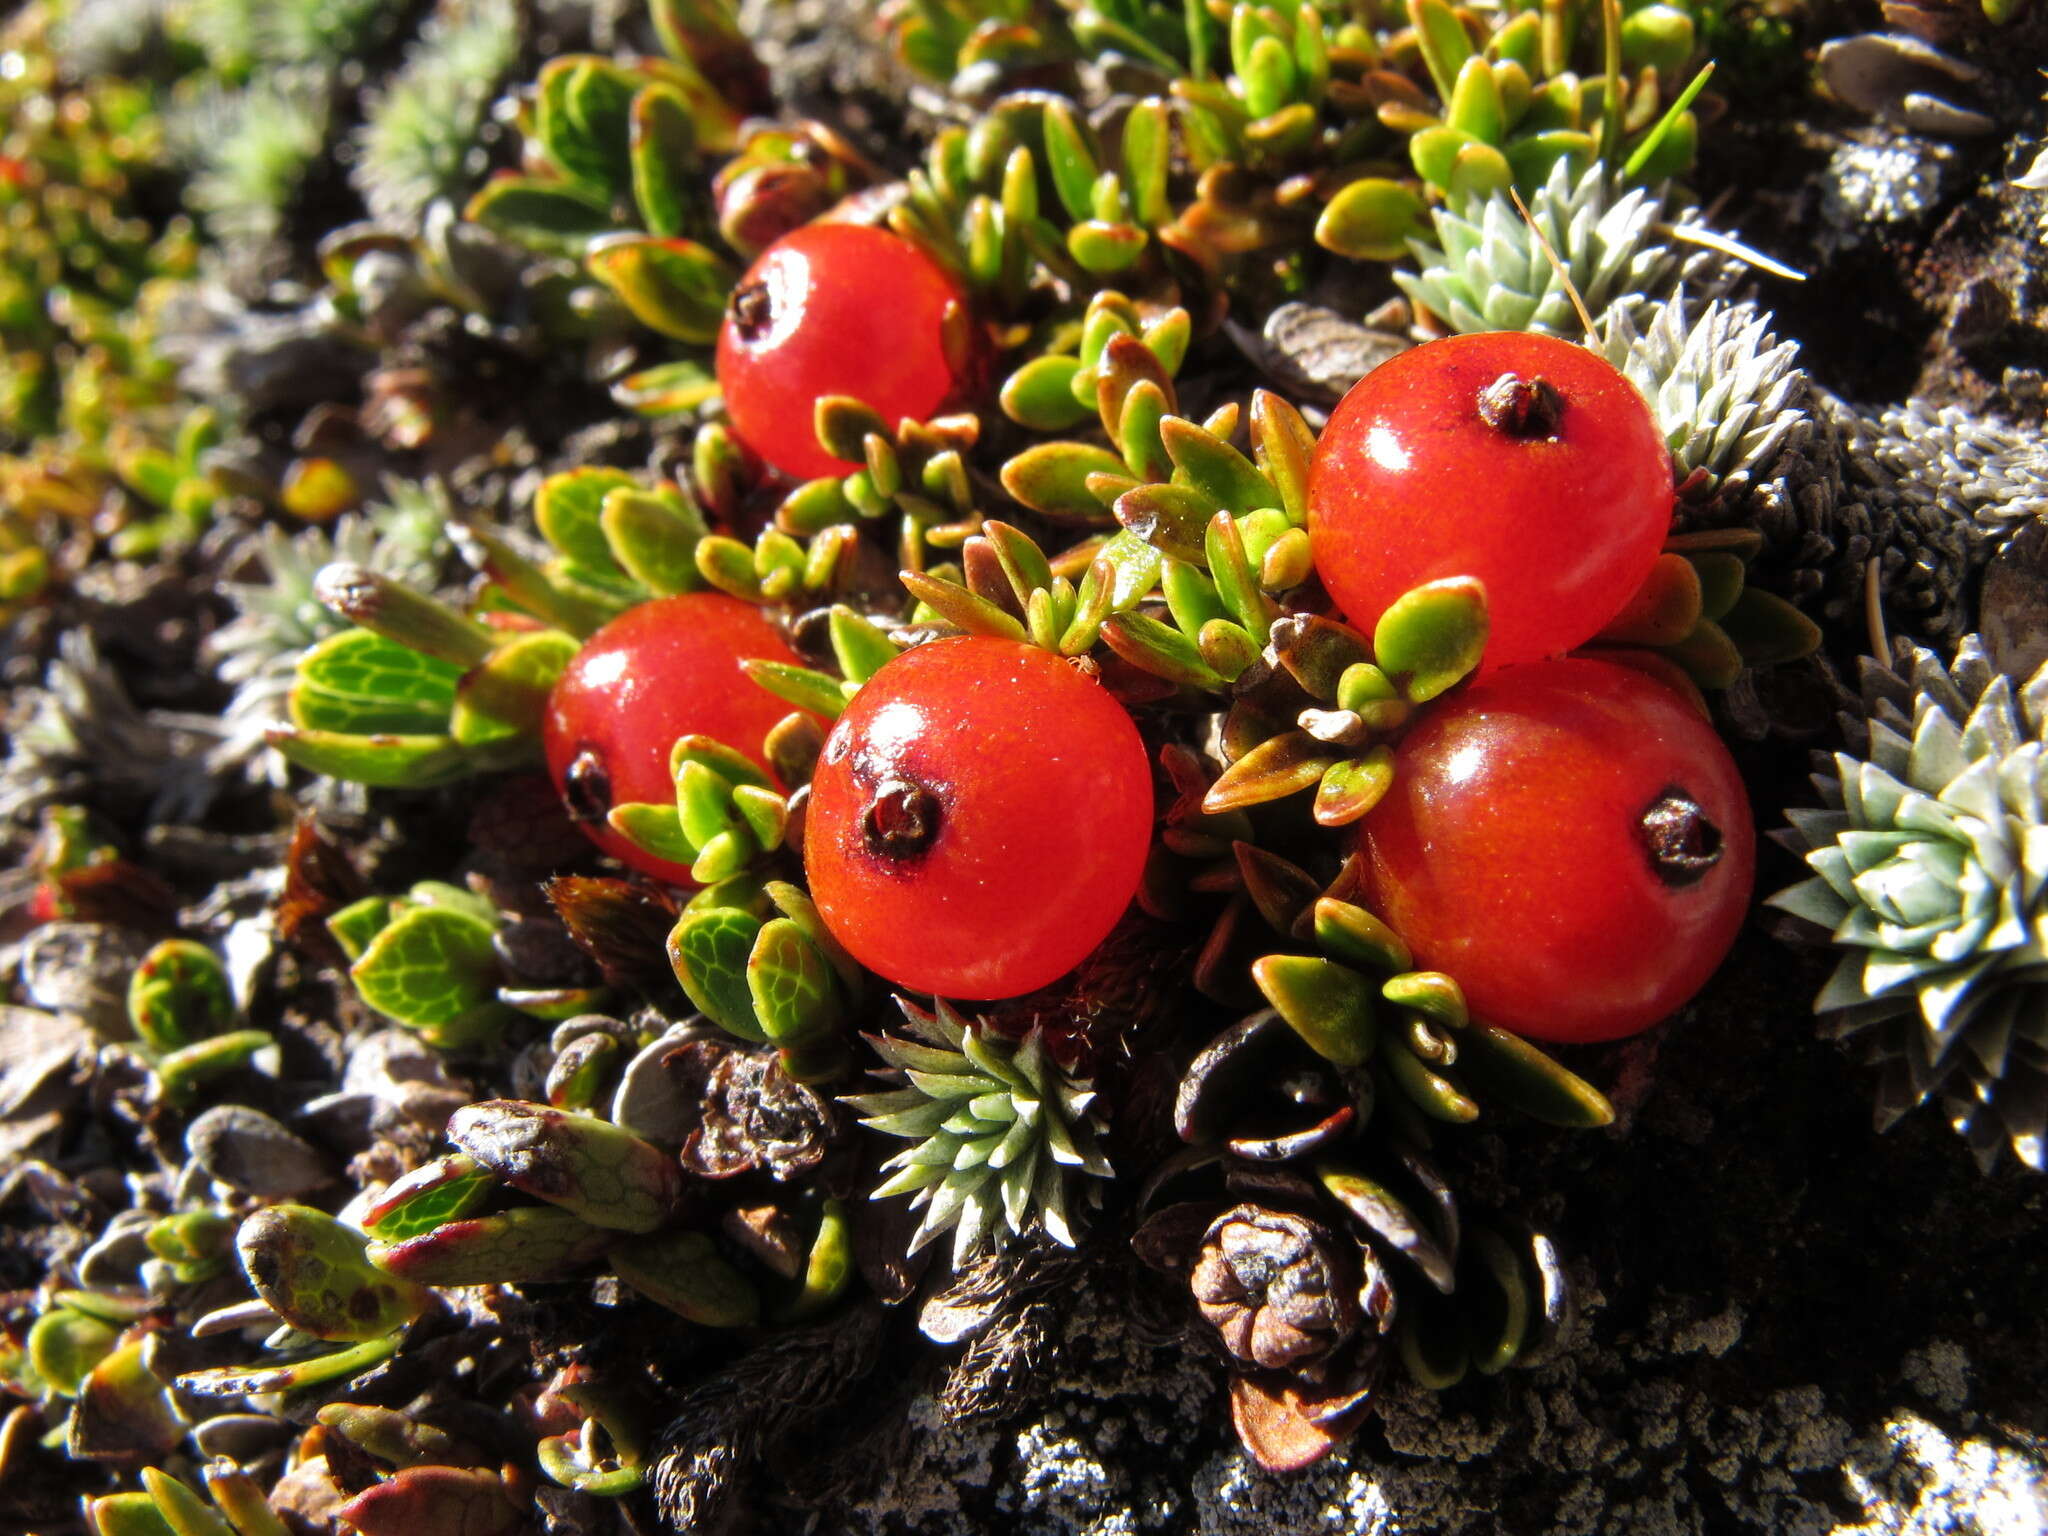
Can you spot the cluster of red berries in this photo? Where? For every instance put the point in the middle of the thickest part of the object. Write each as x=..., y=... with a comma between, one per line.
x=1569, y=838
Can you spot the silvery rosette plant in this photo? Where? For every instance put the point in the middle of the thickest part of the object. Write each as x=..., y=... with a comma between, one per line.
x=1931, y=874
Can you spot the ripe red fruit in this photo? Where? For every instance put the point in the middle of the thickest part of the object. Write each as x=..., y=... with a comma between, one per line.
x=664, y=669
x=1571, y=841
x=1520, y=459
x=839, y=309
x=979, y=819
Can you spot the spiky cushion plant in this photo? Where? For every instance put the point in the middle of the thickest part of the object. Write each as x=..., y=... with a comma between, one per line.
x=1726, y=392
x=1487, y=271
x=997, y=1125
x=1970, y=469
x=1931, y=871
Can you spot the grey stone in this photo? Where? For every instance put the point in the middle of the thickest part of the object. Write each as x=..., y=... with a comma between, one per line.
x=247, y=1150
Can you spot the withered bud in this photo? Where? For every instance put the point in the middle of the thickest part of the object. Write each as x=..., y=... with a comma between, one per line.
x=1279, y=1288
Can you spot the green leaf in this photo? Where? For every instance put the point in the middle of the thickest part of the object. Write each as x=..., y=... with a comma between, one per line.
x=1267, y=73
x=362, y=683
x=431, y=968
x=1126, y=367
x=728, y=565
x=1190, y=597
x=1283, y=446
x=1135, y=565
x=683, y=1272
x=179, y=994
x=1475, y=105
x=673, y=286
x=1428, y=1090
x=1148, y=158
x=1139, y=416
x=709, y=951
x=579, y=607
x=861, y=648
x=1531, y=156
x=445, y=1190
x=1507, y=1068
x=1040, y=395
x=1431, y=637
x=1664, y=609
x=179, y=1073
x=545, y=215
x=1767, y=629
x=962, y=608
x=1350, y=789
x=1709, y=655
x=806, y=689
x=359, y=922
x=311, y=1270
x=129, y=1514
x=1236, y=583
x=382, y=761
x=704, y=802
x=1434, y=153
x=1329, y=1005
x=794, y=998
x=667, y=389
x=1445, y=44
x=503, y=700
x=528, y=1243
x=1478, y=171
x=1353, y=934
x=1070, y=159
x=1668, y=147
x=582, y=107
x=663, y=151
x=1164, y=652
x=64, y=1346
x=1105, y=248
x=815, y=506
x=569, y=509
x=654, y=538
x=843, y=424
x=1280, y=766
x=656, y=828
x=1433, y=994
x=187, y=1513
x=586, y=1165
x=1173, y=519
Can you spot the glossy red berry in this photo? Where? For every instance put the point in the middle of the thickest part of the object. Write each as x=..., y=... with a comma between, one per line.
x=664, y=669
x=1520, y=459
x=979, y=819
x=1570, y=841
x=839, y=309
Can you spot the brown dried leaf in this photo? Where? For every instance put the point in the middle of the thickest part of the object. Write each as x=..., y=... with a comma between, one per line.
x=622, y=926
x=319, y=880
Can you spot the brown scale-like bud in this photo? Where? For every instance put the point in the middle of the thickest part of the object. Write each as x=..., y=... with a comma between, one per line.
x=1280, y=1289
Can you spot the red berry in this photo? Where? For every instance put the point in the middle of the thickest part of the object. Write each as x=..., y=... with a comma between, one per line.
x=1520, y=459
x=1571, y=841
x=838, y=309
x=665, y=669
x=979, y=819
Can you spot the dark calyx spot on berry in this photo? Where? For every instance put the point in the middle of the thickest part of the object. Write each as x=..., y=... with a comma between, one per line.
x=587, y=787
x=753, y=311
x=902, y=820
x=1522, y=408
x=1682, y=844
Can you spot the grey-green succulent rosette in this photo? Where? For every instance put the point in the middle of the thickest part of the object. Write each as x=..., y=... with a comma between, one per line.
x=1931, y=874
